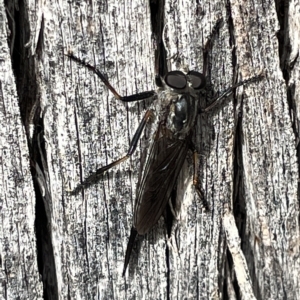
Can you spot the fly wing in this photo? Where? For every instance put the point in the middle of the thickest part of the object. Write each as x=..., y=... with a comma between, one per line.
x=161, y=171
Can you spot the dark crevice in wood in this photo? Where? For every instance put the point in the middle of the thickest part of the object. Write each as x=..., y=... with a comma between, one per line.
x=238, y=203
x=230, y=271
x=168, y=271
x=23, y=65
x=225, y=286
x=234, y=279
x=22, y=62
x=283, y=37
x=157, y=22
x=287, y=64
x=44, y=248
x=169, y=220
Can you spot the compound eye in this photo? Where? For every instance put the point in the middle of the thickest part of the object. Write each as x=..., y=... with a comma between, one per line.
x=176, y=80
x=198, y=80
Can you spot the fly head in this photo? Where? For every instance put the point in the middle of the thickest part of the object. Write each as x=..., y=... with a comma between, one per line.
x=181, y=98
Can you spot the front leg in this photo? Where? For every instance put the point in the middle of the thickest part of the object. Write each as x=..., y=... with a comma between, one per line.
x=130, y=98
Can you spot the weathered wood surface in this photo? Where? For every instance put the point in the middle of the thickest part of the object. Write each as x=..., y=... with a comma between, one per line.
x=18, y=257
x=246, y=247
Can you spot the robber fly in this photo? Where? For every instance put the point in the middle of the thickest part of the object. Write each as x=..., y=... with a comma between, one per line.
x=176, y=108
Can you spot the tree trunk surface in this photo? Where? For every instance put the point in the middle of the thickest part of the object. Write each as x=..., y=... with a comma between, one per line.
x=60, y=123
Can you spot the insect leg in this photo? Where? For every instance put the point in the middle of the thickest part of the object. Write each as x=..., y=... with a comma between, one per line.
x=95, y=176
x=196, y=182
x=229, y=91
x=130, y=98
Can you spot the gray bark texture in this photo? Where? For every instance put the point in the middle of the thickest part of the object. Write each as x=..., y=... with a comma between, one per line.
x=59, y=123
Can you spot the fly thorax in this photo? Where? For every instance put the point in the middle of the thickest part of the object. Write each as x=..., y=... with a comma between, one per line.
x=182, y=114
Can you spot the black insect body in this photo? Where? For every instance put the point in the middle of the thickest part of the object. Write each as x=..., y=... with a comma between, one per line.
x=175, y=108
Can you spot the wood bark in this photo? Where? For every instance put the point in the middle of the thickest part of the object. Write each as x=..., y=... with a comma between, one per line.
x=59, y=123
x=18, y=257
